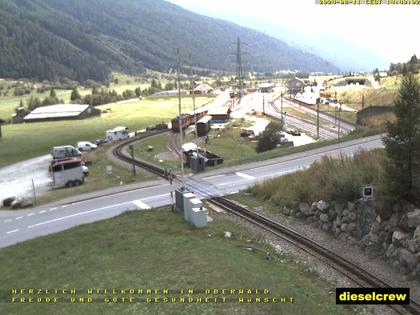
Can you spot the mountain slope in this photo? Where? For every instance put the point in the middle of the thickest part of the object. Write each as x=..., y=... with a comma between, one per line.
x=50, y=39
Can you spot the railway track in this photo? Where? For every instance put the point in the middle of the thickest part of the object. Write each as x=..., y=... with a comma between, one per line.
x=305, y=125
x=361, y=277
x=175, y=144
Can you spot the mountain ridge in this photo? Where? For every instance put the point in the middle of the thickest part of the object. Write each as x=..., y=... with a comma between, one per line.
x=51, y=39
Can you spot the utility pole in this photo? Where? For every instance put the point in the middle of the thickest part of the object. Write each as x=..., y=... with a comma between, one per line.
x=180, y=118
x=263, y=104
x=363, y=101
x=131, y=147
x=193, y=96
x=317, y=117
x=239, y=70
x=338, y=129
x=281, y=106
x=339, y=120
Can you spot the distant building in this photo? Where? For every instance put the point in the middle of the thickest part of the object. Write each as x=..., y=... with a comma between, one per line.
x=295, y=85
x=219, y=115
x=171, y=93
x=203, y=89
x=62, y=112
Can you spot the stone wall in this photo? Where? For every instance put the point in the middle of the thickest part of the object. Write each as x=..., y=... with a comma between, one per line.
x=396, y=238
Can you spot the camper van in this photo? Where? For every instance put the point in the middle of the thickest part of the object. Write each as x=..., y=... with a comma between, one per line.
x=64, y=152
x=67, y=173
x=116, y=134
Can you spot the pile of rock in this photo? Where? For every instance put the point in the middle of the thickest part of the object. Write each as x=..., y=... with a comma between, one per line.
x=397, y=238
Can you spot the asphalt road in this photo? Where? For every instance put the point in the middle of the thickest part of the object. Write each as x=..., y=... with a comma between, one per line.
x=21, y=225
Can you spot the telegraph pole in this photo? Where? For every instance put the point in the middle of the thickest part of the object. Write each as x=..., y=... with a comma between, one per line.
x=363, y=101
x=131, y=147
x=193, y=96
x=239, y=70
x=317, y=117
x=281, y=105
x=339, y=120
x=263, y=104
x=180, y=118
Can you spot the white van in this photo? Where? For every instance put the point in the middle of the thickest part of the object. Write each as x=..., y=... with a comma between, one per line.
x=116, y=134
x=65, y=151
x=86, y=146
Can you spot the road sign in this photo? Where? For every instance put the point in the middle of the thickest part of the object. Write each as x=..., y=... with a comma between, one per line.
x=368, y=192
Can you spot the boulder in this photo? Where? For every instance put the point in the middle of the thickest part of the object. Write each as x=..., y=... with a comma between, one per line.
x=338, y=207
x=352, y=216
x=407, y=259
x=390, y=251
x=286, y=211
x=398, y=236
x=323, y=217
x=322, y=205
x=374, y=238
x=394, y=220
x=326, y=227
x=413, y=245
x=21, y=203
x=305, y=209
x=417, y=232
x=313, y=206
x=8, y=201
x=343, y=227
x=413, y=218
x=351, y=227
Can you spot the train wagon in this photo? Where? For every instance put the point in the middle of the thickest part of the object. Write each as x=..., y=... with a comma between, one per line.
x=185, y=121
x=203, y=126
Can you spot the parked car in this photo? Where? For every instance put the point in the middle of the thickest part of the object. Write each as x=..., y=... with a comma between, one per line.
x=98, y=142
x=293, y=132
x=86, y=146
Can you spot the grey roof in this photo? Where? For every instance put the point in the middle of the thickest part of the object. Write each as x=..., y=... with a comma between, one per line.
x=57, y=111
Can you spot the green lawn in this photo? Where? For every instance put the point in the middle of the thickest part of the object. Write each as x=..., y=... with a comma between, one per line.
x=23, y=141
x=156, y=249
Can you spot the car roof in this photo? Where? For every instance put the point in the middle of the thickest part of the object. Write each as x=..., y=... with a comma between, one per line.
x=66, y=162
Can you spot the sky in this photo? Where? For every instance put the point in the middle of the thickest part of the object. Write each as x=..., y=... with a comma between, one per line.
x=391, y=31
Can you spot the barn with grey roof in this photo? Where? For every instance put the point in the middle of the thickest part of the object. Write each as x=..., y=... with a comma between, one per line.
x=62, y=112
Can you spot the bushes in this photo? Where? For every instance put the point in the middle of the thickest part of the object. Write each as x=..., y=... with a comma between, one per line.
x=339, y=179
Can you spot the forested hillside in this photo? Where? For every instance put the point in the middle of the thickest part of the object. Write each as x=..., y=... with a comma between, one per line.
x=51, y=39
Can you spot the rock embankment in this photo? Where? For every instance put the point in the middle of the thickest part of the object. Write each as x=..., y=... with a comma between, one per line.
x=394, y=235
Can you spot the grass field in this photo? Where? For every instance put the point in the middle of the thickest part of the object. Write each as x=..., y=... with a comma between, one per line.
x=23, y=141
x=156, y=249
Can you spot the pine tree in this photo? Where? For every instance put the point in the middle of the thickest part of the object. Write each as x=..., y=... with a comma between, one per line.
x=75, y=95
x=402, y=144
x=52, y=93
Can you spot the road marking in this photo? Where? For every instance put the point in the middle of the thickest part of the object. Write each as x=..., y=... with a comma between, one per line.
x=13, y=231
x=119, y=193
x=243, y=175
x=31, y=214
x=157, y=196
x=42, y=211
x=233, y=183
x=52, y=209
x=214, y=176
x=18, y=218
x=140, y=204
x=64, y=206
x=77, y=214
x=8, y=220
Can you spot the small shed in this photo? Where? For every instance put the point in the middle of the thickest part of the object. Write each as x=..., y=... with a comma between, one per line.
x=220, y=115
